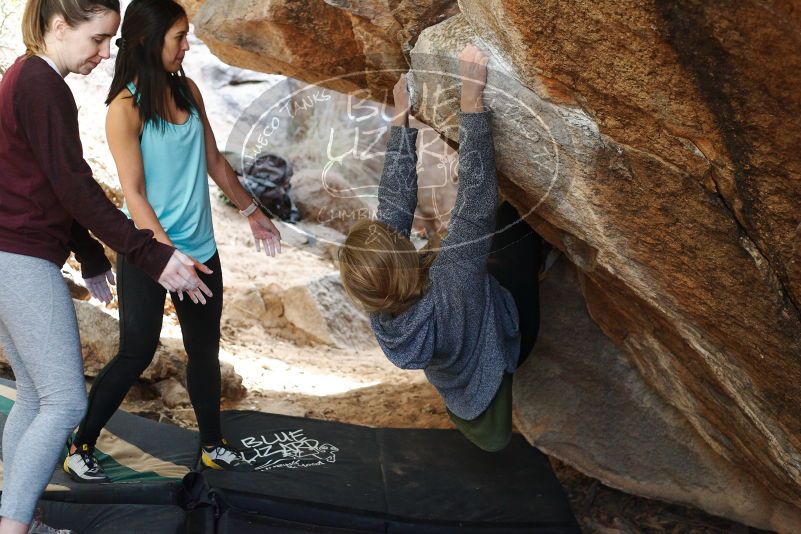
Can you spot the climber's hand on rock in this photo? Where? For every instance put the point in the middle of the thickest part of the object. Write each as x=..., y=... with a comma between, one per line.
x=401, y=95
x=473, y=73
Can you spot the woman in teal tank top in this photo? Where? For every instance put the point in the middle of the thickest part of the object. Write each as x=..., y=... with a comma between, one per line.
x=164, y=150
x=176, y=184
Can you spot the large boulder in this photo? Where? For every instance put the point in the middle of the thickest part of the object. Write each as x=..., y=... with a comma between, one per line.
x=350, y=45
x=322, y=309
x=691, y=220
x=692, y=296
x=310, y=308
x=580, y=399
x=656, y=145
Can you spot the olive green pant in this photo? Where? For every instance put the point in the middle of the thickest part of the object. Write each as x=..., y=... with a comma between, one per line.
x=492, y=430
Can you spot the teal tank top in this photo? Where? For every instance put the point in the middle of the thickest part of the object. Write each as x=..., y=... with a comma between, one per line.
x=176, y=183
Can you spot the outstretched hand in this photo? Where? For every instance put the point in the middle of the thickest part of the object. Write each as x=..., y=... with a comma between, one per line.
x=473, y=73
x=98, y=286
x=265, y=233
x=179, y=276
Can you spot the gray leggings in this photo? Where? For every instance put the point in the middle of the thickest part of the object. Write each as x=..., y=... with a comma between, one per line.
x=39, y=334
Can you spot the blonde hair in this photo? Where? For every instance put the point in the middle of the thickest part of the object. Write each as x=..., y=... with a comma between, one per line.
x=381, y=270
x=39, y=13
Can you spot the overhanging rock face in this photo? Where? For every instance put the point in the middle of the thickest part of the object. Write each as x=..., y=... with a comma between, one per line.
x=346, y=45
x=579, y=398
x=657, y=145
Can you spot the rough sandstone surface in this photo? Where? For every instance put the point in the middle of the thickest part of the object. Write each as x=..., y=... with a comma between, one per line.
x=581, y=399
x=656, y=145
x=347, y=44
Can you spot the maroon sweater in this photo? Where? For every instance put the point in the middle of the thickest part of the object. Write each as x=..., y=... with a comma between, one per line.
x=48, y=197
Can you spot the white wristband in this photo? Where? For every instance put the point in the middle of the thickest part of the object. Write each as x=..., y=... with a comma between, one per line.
x=247, y=212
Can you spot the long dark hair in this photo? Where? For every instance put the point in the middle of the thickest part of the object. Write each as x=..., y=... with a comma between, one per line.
x=145, y=24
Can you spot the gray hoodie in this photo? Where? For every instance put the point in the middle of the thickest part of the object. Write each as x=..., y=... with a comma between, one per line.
x=464, y=331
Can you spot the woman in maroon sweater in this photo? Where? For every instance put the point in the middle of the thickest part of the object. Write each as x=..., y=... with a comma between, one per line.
x=48, y=201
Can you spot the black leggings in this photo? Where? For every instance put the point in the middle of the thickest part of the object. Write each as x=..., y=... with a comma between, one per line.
x=515, y=262
x=141, y=312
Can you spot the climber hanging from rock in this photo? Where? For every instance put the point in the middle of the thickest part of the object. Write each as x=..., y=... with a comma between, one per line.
x=467, y=313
